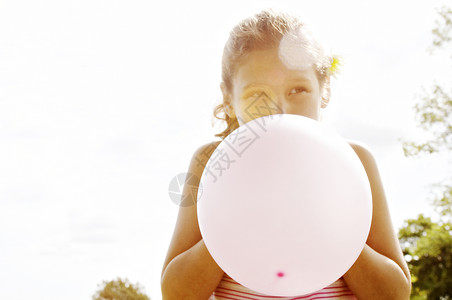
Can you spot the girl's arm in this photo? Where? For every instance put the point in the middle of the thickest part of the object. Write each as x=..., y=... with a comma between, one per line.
x=189, y=271
x=192, y=274
x=380, y=272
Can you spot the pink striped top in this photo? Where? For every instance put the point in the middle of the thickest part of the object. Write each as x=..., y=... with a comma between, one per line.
x=230, y=289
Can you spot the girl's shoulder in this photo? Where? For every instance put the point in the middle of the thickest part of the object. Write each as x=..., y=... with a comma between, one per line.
x=364, y=153
x=369, y=163
x=203, y=153
x=208, y=148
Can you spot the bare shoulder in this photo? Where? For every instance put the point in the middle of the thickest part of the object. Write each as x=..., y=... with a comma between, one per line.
x=203, y=153
x=370, y=165
x=208, y=147
x=364, y=153
x=357, y=145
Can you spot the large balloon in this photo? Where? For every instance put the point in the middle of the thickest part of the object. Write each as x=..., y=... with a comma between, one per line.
x=286, y=206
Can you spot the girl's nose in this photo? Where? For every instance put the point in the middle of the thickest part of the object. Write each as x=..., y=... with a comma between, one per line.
x=267, y=101
x=279, y=106
x=273, y=101
x=273, y=105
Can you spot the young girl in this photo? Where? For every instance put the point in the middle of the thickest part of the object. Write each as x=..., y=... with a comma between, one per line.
x=272, y=58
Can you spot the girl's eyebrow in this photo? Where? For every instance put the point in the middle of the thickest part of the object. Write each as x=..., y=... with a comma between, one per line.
x=254, y=85
x=257, y=87
x=265, y=86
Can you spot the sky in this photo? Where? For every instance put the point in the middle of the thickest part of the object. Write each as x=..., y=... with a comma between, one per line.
x=102, y=103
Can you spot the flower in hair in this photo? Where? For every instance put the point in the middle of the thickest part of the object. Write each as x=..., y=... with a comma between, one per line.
x=334, y=67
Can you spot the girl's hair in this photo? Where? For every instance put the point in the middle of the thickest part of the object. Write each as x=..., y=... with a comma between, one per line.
x=261, y=31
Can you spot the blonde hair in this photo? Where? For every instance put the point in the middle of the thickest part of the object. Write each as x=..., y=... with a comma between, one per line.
x=261, y=31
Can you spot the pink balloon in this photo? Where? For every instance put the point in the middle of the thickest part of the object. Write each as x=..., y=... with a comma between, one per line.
x=286, y=205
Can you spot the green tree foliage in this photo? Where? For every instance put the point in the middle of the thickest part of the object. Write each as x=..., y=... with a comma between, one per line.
x=427, y=245
x=119, y=289
x=434, y=110
x=443, y=30
x=443, y=201
x=433, y=114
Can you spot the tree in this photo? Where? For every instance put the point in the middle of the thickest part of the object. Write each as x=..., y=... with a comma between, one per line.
x=119, y=289
x=427, y=245
x=433, y=112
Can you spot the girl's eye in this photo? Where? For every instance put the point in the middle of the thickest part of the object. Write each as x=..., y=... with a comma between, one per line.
x=297, y=90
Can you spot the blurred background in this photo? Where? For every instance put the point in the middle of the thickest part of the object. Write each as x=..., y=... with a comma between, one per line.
x=102, y=104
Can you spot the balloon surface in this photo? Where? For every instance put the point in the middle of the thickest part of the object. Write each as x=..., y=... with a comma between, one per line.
x=286, y=205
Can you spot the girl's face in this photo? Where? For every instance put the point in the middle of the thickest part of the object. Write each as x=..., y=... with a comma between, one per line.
x=263, y=85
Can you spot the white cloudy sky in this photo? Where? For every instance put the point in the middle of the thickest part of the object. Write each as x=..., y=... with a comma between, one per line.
x=102, y=103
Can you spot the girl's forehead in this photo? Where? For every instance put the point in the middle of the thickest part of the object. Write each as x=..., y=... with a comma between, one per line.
x=266, y=66
x=277, y=76
x=268, y=60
